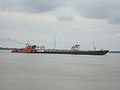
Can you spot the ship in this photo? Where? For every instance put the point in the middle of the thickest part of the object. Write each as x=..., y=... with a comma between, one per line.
x=75, y=50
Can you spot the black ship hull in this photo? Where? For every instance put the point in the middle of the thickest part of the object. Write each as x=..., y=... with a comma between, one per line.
x=99, y=52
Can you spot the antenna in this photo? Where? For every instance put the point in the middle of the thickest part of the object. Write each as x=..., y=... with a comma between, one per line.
x=55, y=43
x=93, y=44
x=94, y=48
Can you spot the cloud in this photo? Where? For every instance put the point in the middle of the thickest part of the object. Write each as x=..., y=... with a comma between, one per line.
x=31, y=6
x=100, y=9
x=42, y=5
x=108, y=10
x=65, y=18
x=22, y=21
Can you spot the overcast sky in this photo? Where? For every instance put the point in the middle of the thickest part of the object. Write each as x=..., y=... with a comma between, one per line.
x=70, y=21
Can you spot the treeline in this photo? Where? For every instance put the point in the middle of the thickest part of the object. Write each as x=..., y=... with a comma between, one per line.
x=6, y=48
x=114, y=51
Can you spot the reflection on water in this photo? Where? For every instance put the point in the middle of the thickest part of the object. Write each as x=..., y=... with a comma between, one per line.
x=59, y=72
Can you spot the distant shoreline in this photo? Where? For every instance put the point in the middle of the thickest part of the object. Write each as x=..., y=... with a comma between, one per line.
x=114, y=52
x=1, y=48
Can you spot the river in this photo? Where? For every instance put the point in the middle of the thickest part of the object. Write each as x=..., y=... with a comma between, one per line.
x=19, y=71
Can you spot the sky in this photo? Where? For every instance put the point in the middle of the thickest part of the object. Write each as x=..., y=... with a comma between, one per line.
x=69, y=21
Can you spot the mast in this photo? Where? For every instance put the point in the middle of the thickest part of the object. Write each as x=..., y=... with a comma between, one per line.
x=55, y=43
x=94, y=48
